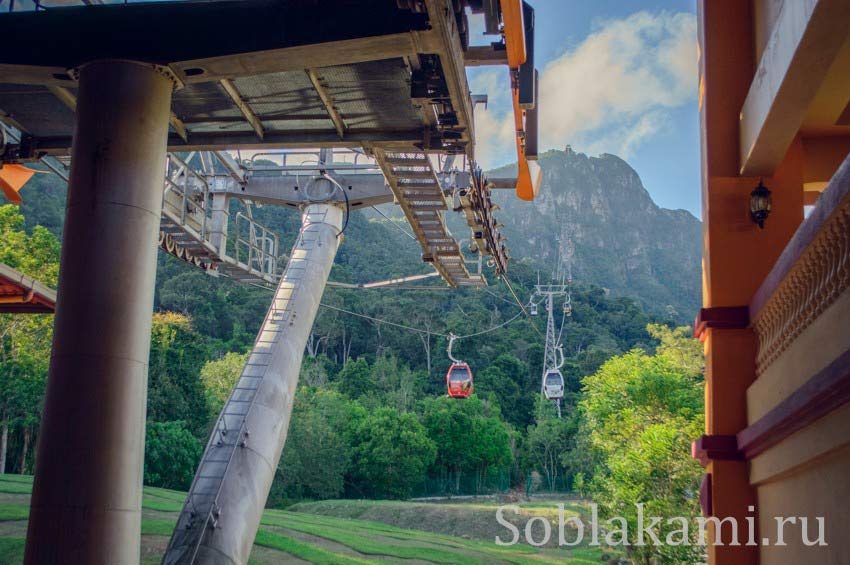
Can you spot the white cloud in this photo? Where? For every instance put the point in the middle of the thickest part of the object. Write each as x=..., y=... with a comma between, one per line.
x=611, y=93
x=623, y=140
x=494, y=128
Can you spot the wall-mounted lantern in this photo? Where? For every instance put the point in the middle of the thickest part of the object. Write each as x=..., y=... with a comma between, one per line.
x=760, y=204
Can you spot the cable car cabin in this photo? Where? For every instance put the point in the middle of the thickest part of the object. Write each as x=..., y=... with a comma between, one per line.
x=553, y=385
x=459, y=380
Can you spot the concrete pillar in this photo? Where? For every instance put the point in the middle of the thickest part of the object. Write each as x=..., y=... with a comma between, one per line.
x=86, y=502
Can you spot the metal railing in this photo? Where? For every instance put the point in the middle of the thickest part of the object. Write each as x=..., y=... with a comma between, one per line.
x=309, y=160
x=255, y=245
x=193, y=192
x=810, y=275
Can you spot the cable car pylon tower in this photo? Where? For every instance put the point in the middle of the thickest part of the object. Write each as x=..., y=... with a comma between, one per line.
x=552, y=381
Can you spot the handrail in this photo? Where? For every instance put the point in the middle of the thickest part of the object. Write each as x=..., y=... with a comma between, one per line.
x=262, y=255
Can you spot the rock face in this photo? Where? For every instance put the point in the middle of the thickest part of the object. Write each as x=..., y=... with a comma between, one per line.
x=621, y=239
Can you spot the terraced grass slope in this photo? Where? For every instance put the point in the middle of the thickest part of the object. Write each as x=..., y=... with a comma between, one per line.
x=296, y=537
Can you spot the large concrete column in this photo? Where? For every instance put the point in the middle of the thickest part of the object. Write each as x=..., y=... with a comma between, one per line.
x=86, y=503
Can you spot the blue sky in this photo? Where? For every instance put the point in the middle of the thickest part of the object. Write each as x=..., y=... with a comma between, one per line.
x=617, y=76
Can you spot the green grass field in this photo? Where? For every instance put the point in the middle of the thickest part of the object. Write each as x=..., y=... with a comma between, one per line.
x=330, y=532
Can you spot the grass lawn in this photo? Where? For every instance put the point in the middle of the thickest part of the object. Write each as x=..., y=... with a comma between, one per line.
x=309, y=532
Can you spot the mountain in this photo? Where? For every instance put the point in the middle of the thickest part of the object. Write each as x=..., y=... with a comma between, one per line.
x=621, y=240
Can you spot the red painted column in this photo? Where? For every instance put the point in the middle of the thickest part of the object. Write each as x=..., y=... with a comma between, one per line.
x=737, y=255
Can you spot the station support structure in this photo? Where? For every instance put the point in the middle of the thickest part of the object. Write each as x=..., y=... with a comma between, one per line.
x=225, y=503
x=87, y=493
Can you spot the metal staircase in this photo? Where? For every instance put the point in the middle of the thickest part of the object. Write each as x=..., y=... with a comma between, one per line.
x=418, y=192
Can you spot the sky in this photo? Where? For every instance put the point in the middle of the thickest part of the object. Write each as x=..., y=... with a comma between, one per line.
x=616, y=76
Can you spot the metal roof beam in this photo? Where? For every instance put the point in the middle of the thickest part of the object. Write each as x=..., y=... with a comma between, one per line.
x=245, y=140
x=361, y=189
x=229, y=163
x=484, y=55
x=328, y=102
x=806, y=41
x=246, y=110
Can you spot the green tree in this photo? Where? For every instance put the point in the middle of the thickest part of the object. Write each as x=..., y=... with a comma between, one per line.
x=640, y=415
x=355, y=379
x=24, y=339
x=171, y=455
x=175, y=391
x=219, y=376
x=449, y=424
x=548, y=442
x=316, y=456
x=391, y=454
x=313, y=371
x=678, y=346
x=507, y=377
x=490, y=447
x=470, y=438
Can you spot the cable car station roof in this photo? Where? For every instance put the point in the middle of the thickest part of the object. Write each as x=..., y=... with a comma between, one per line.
x=20, y=294
x=385, y=75
x=272, y=73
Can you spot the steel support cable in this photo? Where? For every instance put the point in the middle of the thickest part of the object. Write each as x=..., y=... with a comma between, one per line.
x=521, y=305
x=494, y=295
x=344, y=195
x=410, y=328
x=390, y=220
x=419, y=330
x=563, y=323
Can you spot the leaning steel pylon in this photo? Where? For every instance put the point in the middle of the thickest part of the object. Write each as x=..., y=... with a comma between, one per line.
x=224, y=505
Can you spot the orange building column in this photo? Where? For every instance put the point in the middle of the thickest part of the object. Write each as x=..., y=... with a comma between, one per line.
x=737, y=255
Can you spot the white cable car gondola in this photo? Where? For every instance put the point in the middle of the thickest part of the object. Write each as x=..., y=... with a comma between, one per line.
x=553, y=380
x=533, y=309
x=553, y=385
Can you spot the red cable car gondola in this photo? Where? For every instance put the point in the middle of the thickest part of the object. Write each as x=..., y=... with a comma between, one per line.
x=459, y=380
x=459, y=376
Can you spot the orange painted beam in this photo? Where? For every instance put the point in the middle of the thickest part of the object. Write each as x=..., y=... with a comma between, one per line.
x=526, y=186
x=514, y=32
x=12, y=178
x=528, y=183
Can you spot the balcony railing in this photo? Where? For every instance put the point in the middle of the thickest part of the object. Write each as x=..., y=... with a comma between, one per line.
x=809, y=276
x=803, y=358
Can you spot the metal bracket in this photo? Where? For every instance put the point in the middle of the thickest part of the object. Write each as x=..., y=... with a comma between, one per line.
x=23, y=151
